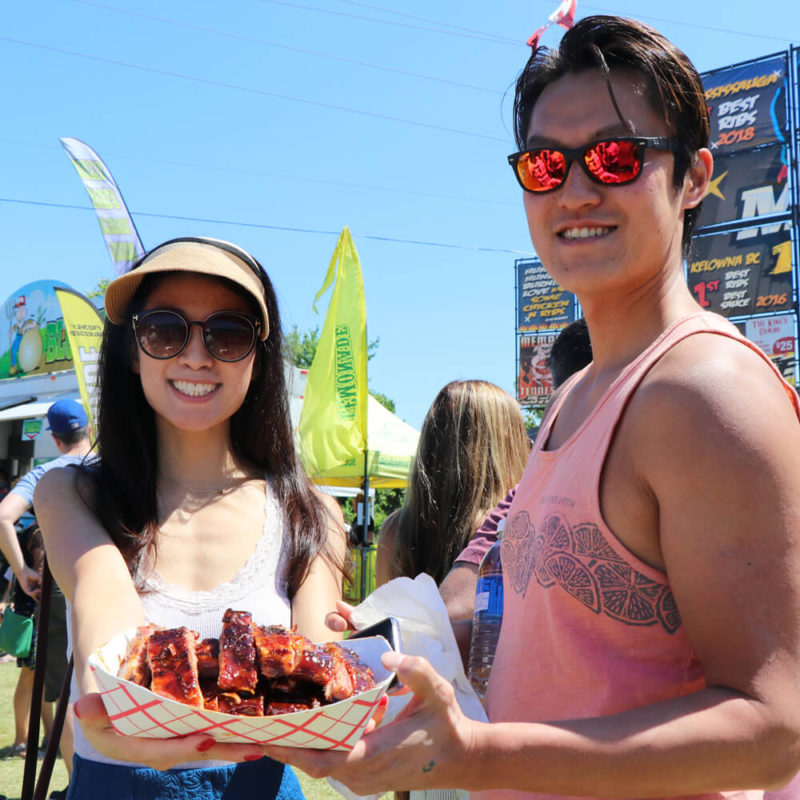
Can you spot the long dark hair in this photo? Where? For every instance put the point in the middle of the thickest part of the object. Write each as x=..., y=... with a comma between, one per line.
x=121, y=489
x=472, y=450
x=604, y=43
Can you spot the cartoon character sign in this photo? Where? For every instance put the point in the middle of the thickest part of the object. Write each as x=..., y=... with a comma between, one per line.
x=21, y=324
x=37, y=341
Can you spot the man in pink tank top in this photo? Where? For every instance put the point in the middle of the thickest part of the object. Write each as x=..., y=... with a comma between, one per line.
x=651, y=635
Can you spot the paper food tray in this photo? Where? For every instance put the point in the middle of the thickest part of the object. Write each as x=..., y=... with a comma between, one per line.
x=136, y=711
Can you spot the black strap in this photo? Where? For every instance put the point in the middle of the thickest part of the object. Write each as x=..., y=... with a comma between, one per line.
x=49, y=760
x=31, y=756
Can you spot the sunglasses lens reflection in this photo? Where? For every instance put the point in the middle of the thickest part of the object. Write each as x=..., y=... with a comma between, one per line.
x=542, y=170
x=162, y=334
x=228, y=337
x=611, y=162
x=614, y=161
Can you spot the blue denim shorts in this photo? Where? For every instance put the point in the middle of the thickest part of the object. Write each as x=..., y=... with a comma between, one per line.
x=264, y=779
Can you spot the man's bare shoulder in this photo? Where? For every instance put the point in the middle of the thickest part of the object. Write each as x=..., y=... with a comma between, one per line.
x=715, y=394
x=713, y=442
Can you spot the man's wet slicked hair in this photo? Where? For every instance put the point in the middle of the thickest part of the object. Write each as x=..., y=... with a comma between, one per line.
x=607, y=43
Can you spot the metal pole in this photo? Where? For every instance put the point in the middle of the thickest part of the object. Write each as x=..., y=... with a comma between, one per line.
x=365, y=529
x=793, y=106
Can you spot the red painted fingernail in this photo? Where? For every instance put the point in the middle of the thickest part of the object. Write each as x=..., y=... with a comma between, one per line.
x=253, y=757
x=206, y=744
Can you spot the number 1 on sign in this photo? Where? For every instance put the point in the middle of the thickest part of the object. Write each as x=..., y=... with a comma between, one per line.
x=702, y=289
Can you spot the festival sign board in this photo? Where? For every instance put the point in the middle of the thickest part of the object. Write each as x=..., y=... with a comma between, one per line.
x=31, y=428
x=747, y=104
x=747, y=185
x=743, y=272
x=542, y=305
x=37, y=340
x=776, y=337
x=535, y=381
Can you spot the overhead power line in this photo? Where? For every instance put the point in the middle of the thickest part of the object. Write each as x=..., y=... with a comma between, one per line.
x=451, y=29
x=286, y=228
x=684, y=23
x=485, y=37
x=499, y=37
x=457, y=30
x=255, y=173
x=291, y=48
x=253, y=90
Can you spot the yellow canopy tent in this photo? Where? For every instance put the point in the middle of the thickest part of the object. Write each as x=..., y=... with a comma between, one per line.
x=391, y=447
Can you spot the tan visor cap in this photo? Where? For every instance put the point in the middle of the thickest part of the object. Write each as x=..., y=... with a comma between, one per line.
x=203, y=258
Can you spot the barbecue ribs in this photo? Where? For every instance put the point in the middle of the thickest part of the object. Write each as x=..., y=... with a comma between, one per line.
x=250, y=670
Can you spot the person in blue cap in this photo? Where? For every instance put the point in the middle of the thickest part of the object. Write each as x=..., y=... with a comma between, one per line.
x=68, y=424
x=66, y=420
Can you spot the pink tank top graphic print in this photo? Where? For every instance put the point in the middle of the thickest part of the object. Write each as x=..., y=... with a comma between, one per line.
x=588, y=629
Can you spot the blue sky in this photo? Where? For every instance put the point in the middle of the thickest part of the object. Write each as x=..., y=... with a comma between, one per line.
x=275, y=123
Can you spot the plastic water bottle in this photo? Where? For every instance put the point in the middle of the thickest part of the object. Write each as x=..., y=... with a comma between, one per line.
x=487, y=617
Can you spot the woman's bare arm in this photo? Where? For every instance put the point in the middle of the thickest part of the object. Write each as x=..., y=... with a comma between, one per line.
x=318, y=594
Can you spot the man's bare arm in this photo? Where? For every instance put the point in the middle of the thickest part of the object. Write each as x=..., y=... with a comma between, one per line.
x=458, y=593
x=12, y=507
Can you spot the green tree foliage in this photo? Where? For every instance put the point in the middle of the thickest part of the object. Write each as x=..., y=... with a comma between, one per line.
x=100, y=289
x=386, y=501
x=532, y=415
x=385, y=401
x=302, y=347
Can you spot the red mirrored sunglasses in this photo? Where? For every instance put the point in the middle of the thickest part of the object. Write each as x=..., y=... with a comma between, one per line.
x=610, y=162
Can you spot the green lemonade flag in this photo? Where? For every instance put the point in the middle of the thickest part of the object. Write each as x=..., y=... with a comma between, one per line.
x=84, y=327
x=333, y=422
x=116, y=224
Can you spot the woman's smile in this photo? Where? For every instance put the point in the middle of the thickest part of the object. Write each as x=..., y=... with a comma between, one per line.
x=193, y=388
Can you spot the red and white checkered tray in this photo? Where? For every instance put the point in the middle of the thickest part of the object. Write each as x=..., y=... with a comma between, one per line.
x=136, y=711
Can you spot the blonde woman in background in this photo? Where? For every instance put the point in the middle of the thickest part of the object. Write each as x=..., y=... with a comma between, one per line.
x=472, y=450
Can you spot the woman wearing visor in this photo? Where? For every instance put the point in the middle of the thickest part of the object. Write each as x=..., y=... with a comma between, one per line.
x=196, y=505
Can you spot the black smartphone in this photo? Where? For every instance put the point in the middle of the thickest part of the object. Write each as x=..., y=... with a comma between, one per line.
x=389, y=628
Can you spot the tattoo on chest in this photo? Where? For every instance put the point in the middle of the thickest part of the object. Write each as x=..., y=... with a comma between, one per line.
x=578, y=560
x=429, y=766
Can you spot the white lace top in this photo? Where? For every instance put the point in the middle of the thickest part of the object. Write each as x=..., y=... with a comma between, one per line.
x=256, y=588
